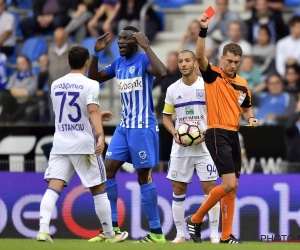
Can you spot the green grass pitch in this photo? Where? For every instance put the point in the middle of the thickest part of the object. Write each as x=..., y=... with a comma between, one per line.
x=63, y=244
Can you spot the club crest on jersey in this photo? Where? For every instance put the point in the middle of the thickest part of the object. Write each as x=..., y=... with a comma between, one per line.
x=200, y=93
x=131, y=69
x=142, y=154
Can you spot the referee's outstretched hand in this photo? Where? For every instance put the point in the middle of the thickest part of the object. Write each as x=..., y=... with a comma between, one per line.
x=203, y=20
x=141, y=39
x=102, y=42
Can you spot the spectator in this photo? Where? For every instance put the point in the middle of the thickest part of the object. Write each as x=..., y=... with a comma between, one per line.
x=3, y=76
x=275, y=5
x=85, y=10
x=39, y=111
x=288, y=47
x=58, y=56
x=7, y=30
x=43, y=72
x=58, y=61
x=292, y=128
x=264, y=52
x=110, y=8
x=129, y=14
x=264, y=16
x=42, y=90
x=235, y=36
x=165, y=138
x=172, y=76
x=292, y=80
x=19, y=92
x=189, y=41
x=222, y=19
x=251, y=74
x=276, y=105
x=47, y=16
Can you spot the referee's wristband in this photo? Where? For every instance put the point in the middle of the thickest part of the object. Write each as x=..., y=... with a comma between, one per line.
x=202, y=32
x=96, y=53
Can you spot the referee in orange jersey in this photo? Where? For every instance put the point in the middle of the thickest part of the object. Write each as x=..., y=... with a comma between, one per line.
x=227, y=97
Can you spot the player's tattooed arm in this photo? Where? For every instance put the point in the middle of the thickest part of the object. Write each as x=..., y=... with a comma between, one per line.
x=157, y=68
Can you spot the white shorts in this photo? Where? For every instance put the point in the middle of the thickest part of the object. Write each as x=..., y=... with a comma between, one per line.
x=90, y=169
x=181, y=169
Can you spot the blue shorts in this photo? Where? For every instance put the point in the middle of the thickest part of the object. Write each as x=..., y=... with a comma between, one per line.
x=139, y=146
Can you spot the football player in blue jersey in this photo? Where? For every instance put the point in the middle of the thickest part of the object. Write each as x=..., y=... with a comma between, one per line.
x=136, y=137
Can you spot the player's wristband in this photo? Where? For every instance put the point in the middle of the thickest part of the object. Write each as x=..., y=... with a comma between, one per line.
x=250, y=118
x=96, y=53
x=202, y=32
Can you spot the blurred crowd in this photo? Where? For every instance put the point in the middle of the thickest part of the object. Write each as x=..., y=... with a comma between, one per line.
x=270, y=64
x=25, y=89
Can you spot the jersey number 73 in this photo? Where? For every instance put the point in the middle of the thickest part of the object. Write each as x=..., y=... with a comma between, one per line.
x=72, y=103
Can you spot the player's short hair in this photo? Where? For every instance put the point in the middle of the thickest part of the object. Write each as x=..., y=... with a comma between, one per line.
x=233, y=48
x=77, y=57
x=294, y=20
x=134, y=29
x=189, y=51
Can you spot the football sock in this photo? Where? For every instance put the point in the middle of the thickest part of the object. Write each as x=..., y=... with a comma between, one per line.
x=46, y=209
x=178, y=209
x=103, y=211
x=216, y=194
x=149, y=201
x=112, y=193
x=214, y=217
x=227, y=207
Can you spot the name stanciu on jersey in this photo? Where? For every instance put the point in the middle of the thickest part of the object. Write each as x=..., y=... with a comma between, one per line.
x=71, y=127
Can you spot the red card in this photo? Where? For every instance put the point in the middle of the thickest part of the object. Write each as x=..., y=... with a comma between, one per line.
x=210, y=12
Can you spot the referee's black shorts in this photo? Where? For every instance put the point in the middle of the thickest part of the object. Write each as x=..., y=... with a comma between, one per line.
x=224, y=148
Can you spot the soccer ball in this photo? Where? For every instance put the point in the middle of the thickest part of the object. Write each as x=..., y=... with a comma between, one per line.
x=188, y=134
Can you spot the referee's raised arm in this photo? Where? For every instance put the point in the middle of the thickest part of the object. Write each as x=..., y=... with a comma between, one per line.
x=200, y=49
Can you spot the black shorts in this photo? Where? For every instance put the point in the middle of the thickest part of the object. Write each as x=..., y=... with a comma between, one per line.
x=224, y=148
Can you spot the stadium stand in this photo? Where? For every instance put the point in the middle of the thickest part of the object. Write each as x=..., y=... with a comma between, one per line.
x=34, y=47
x=175, y=16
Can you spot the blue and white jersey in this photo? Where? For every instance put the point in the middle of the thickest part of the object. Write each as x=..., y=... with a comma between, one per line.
x=135, y=85
x=71, y=95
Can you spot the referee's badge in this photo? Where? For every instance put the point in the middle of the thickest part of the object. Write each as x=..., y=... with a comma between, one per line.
x=200, y=94
x=131, y=69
